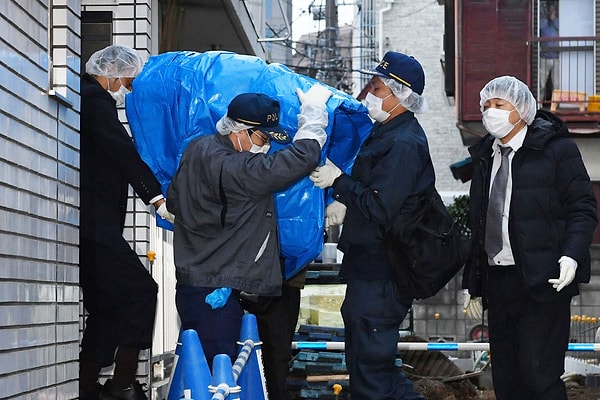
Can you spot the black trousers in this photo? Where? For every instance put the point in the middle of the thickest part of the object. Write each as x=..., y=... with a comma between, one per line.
x=372, y=313
x=120, y=296
x=276, y=327
x=528, y=338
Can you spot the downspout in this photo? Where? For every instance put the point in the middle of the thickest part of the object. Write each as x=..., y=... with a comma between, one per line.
x=380, y=25
x=287, y=26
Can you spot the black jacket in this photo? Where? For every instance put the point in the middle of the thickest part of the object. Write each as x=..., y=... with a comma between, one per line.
x=552, y=208
x=392, y=168
x=109, y=163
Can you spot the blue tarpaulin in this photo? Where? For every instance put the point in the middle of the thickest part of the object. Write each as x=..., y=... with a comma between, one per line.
x=179, y=96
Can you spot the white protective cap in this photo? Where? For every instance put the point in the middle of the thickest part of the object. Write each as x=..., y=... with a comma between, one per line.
x=408, y=99
x=115, y=62
x=515, y=92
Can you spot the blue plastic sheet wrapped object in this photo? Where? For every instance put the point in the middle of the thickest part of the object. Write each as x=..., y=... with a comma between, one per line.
x=179, y=96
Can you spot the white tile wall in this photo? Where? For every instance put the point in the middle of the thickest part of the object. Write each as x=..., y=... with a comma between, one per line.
x=39, y=303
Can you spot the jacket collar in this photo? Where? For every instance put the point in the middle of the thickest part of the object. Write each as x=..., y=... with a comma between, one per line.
x=393, y=123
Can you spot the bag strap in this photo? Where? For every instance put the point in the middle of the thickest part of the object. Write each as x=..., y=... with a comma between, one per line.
x=406, y=223
x=436, y=205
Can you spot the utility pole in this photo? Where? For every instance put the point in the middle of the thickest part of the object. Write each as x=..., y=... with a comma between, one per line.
x=330, y=56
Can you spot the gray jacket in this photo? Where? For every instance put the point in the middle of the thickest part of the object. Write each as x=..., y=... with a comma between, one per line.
x=225, y=218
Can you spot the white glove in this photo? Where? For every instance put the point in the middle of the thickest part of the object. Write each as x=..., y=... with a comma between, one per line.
x=472, y=305
x=568, y=267
x=334, y=214
x=317, y=95
x=164, y=213
x=325, y=175
x=313, y=117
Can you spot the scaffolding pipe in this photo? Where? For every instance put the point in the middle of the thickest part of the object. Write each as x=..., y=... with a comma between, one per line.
x=425, y=346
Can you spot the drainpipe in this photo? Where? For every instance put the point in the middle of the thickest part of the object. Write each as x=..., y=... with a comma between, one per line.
x=384, y=10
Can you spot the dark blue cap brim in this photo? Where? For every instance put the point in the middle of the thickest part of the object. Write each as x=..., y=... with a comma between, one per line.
x=372, y=72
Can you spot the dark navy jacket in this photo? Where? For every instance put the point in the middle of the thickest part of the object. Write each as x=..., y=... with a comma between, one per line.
x=392, y=168
x=552, y=208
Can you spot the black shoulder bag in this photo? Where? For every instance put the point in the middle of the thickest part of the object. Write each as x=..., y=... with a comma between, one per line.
x=426, y=248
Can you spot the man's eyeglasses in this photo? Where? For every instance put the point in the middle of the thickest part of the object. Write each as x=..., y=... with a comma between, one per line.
x=265, y=140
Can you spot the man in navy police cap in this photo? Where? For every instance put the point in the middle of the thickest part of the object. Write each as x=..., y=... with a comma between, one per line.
x=392, y=170
x=225, y=231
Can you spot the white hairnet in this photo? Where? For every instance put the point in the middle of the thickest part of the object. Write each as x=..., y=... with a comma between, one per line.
x=227, y=125
x=408, y=99
x=115, y=62
x=514, y=91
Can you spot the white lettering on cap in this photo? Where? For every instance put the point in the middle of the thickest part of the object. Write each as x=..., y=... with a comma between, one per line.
x=384, y=64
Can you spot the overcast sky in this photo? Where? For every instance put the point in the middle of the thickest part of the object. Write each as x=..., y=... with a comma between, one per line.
x=302, y=20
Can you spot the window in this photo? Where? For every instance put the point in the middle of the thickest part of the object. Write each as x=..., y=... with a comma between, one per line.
x=564, y=52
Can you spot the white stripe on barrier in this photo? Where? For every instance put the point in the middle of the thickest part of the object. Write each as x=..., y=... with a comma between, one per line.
x=471, y=346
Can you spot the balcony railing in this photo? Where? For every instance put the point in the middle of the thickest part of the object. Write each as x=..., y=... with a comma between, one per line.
x=564, y=71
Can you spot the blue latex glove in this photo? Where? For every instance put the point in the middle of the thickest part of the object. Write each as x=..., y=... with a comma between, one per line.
x=218, y=297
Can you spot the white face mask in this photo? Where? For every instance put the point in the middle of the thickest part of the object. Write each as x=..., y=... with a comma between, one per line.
x=119, y=95
x=374, y=105
x=254, y=148
x=257, y=149
x=496, y=122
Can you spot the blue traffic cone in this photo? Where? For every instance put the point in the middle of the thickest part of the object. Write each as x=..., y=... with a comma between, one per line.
x=252, y=376
x=223, y=383
x=175, y=390
x=194, y=367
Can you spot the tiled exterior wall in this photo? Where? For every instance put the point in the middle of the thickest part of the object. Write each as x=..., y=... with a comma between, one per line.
x=41, y=316
x=39, y=162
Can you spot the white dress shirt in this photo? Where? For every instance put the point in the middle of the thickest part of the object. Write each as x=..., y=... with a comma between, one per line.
x=505, y=256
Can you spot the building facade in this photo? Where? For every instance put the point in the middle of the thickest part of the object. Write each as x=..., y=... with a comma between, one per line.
x=44, y=44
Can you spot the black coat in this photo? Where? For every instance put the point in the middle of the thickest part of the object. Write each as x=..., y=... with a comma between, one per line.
x=391, y=170
x=552, y=208
x=109, y=163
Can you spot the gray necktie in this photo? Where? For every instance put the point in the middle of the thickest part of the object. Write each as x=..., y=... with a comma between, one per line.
x=493, y=226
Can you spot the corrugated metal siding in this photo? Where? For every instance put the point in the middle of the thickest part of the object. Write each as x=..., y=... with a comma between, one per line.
x=39, y=162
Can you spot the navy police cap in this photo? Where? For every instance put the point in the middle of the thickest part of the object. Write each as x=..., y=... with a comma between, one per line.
x=261, y=112
x=401, y=68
